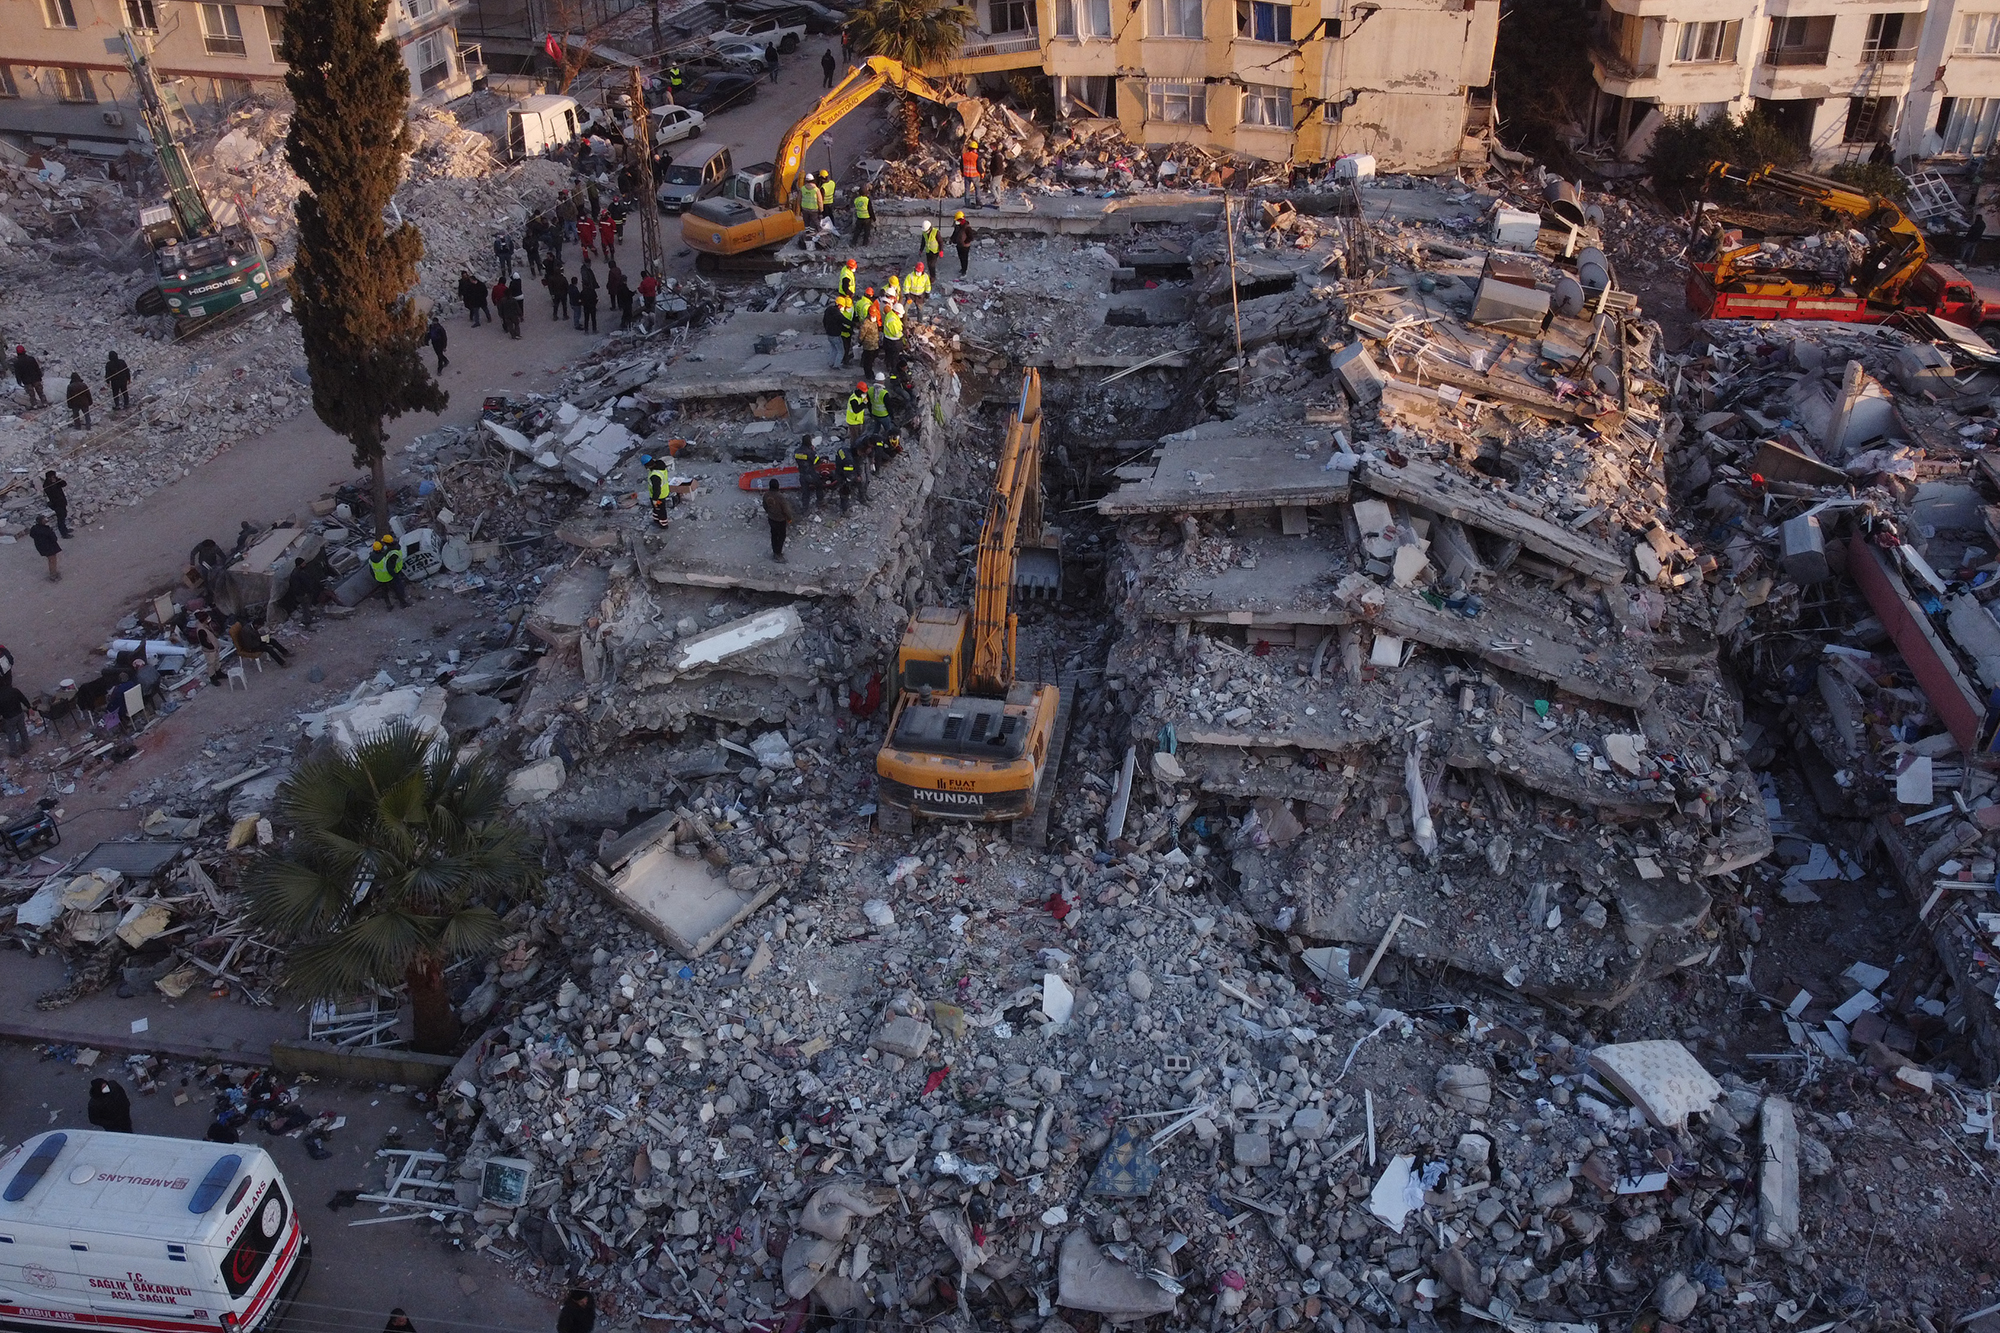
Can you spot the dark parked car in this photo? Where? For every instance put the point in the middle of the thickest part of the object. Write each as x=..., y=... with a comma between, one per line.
x=818, y=19
x=712, y=92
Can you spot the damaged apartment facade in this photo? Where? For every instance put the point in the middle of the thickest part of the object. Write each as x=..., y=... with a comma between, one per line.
x=1407, y=81
x=64, y=81
x=1847, y=81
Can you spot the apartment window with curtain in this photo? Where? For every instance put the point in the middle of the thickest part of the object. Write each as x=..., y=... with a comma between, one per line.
x=1799, y=41
x=1266, y=105
x=1264, y=22
x=58, y=13
x=1010, y=16
x=1967, y=124
x=1709, y=43
x=419, y=10
x=1088, y=95
x=433, y=60
x=274, y=32
x=1083, y=18
x=1173, y=18
x=222, y=31
x=1978, y=35
x=142, y=15
x=1176, y=103
x=72, y=85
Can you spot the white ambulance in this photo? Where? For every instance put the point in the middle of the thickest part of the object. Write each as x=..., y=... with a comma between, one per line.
x=130, y=1232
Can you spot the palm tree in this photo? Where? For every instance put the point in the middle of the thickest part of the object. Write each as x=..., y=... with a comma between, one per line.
x=397, y=857
x=918, y=34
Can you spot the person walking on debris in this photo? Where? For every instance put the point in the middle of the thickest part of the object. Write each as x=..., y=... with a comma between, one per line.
x=827, y=65
x=472, y=294
x=659, y=485
x=916, y=287
x=79, y=400
x=968, y=170
x=28, y=374
x=868, y=334
x=864, y=214
x=649, y=290
x=809, y=204
x=929, y=245
x=110, y=1108
x=996, y=172
x=578, y=1313
x=14, y=718
x=961, y=240
x=857, y=414
x=844, y=280
x=839, y=328
x=843, y=474
x=47, y=547
x=56, y=491
x=118, y=379
x=892, y=335
x=436, y=337
x=558, y=285
x=503, y=251
x=778, y=510
x=531, y=242
x=385, y=562
x=805, y=458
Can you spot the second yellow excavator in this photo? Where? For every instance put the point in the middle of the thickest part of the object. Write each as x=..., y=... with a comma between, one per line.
x=759, y=208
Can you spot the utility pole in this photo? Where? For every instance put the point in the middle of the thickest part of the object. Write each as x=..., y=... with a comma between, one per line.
x=1235, y=301
x=650, y=256
x=657, y=42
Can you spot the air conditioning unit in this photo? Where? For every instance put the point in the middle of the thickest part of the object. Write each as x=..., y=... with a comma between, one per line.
x=114, y=118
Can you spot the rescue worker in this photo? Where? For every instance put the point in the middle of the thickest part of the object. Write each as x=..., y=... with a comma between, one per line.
x=674, y=83
x=961, y=239
x=826, y=191
x=844, y=475
x=867, y=333
x=917, y=286
x=848, y=277
x=887, y=447
x=892, y=335
x=809, y=203
x=893, y=290
x=968, y=166
x=879, y=423
x=778, y=510
x=857, y=413
x=806, y=458
x=929, y=246
x=385, y=562
x=659, y=485
x=864, y=215
x=838, y=327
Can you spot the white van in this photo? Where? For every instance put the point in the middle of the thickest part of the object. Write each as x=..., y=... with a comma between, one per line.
x=537, y=124
x=153, y=1235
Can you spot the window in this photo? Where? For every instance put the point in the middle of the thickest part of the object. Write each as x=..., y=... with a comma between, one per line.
x=1174, y=18
x=256, y=1241
x=1177, y=103
x=1262, y=22
x=221, y=31
x=1869, y=119
x=142, y=16
x=1264, y=105
x=433, y=60
x=1978, y=35
x=1892, y=38
x=72, y=85
x=1967, y=124
x=1709, y=43
x=1003, y=16
x=1799, y=41
x=58, y=13
x=419, y=10
x=8, y=88
x=1088, y=96
x=274, y=29
x=1083, y=18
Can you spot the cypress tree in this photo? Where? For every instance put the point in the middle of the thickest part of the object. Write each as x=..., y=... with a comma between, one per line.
x=351, y=282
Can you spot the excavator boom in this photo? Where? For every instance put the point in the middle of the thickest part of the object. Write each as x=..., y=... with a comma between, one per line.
x=190, y=208
x=861, y=83
x=1896, y=245
x=1013, y=516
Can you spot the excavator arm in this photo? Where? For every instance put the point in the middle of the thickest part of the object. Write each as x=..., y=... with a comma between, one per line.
x=1896, y=245
x=861, y=83
x=190, y=208
x=1013, y=515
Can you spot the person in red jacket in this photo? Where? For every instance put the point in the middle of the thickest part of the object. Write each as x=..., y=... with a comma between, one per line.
x=586, y=233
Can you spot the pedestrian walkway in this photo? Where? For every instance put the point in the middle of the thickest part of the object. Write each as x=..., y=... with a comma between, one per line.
x=195, y=1026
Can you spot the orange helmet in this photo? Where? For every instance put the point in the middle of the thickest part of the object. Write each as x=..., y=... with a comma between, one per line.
x=920, y=266
x=850, y=263
x=861, y=386
x=868, y=291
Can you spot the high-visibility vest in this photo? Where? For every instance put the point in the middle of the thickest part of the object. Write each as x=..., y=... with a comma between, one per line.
x=805, y=459
x=969, y=163
x=674, y=77
x=659, y=481
x=845, y=462
x=917, y=284
x=857, y=408
x=932, y=246
x=387, y=565
x=892, y=323
x=810, y=193
x=826, y=193
x=861, y=207
x=878, y=401
x=847, y=282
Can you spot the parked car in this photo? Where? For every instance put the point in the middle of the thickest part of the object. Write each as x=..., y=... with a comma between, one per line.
x=712, y=92
x=816, y=18
x=741, y=51
x=764, y=31
x=677, y=122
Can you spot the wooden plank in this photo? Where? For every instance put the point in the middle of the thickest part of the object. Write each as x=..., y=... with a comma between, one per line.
x=1446, y=492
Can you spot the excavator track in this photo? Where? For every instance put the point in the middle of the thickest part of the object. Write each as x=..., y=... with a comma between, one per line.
x=1033, y=832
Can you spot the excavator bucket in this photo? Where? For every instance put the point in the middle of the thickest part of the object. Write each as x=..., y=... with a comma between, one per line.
x=1038, y=573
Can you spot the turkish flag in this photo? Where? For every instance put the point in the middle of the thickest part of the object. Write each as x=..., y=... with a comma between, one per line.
x=553, y=47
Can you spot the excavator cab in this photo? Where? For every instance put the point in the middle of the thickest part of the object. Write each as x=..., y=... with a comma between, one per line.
x=934, y=651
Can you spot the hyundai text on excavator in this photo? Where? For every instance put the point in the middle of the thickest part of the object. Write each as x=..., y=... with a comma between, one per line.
x=207, y=268
x=1896, y=273
x=759, y=208
x=967, y=740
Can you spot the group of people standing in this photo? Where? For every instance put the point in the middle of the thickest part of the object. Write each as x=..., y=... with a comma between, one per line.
x=580, y=216
x=77, y=397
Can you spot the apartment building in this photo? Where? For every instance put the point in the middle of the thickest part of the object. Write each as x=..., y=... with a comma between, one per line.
x=63, y=78
x=1849, y=80
x=1405, y=80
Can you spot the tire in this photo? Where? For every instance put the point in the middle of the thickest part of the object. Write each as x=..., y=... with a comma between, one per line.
x=1991, y=333
x=150, y=302
x=694, y=133
x=789, y=44
x=707, y=263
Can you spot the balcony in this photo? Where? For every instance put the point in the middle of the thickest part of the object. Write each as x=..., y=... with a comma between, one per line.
x=1795, y=57
x=1885, y=55
x=1604, y=50
x=979, y=44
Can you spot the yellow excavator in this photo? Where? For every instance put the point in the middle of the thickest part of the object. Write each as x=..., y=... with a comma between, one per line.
x=1725, y=283
x=967, y=740
x=759, y=208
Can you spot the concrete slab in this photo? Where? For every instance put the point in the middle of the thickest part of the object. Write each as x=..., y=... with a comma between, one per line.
x=738, y=637
x=1059, y=214
x=684, y=900
x=572, y=598
x=346, y=724
x=1207, y=474
x=725, y=363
